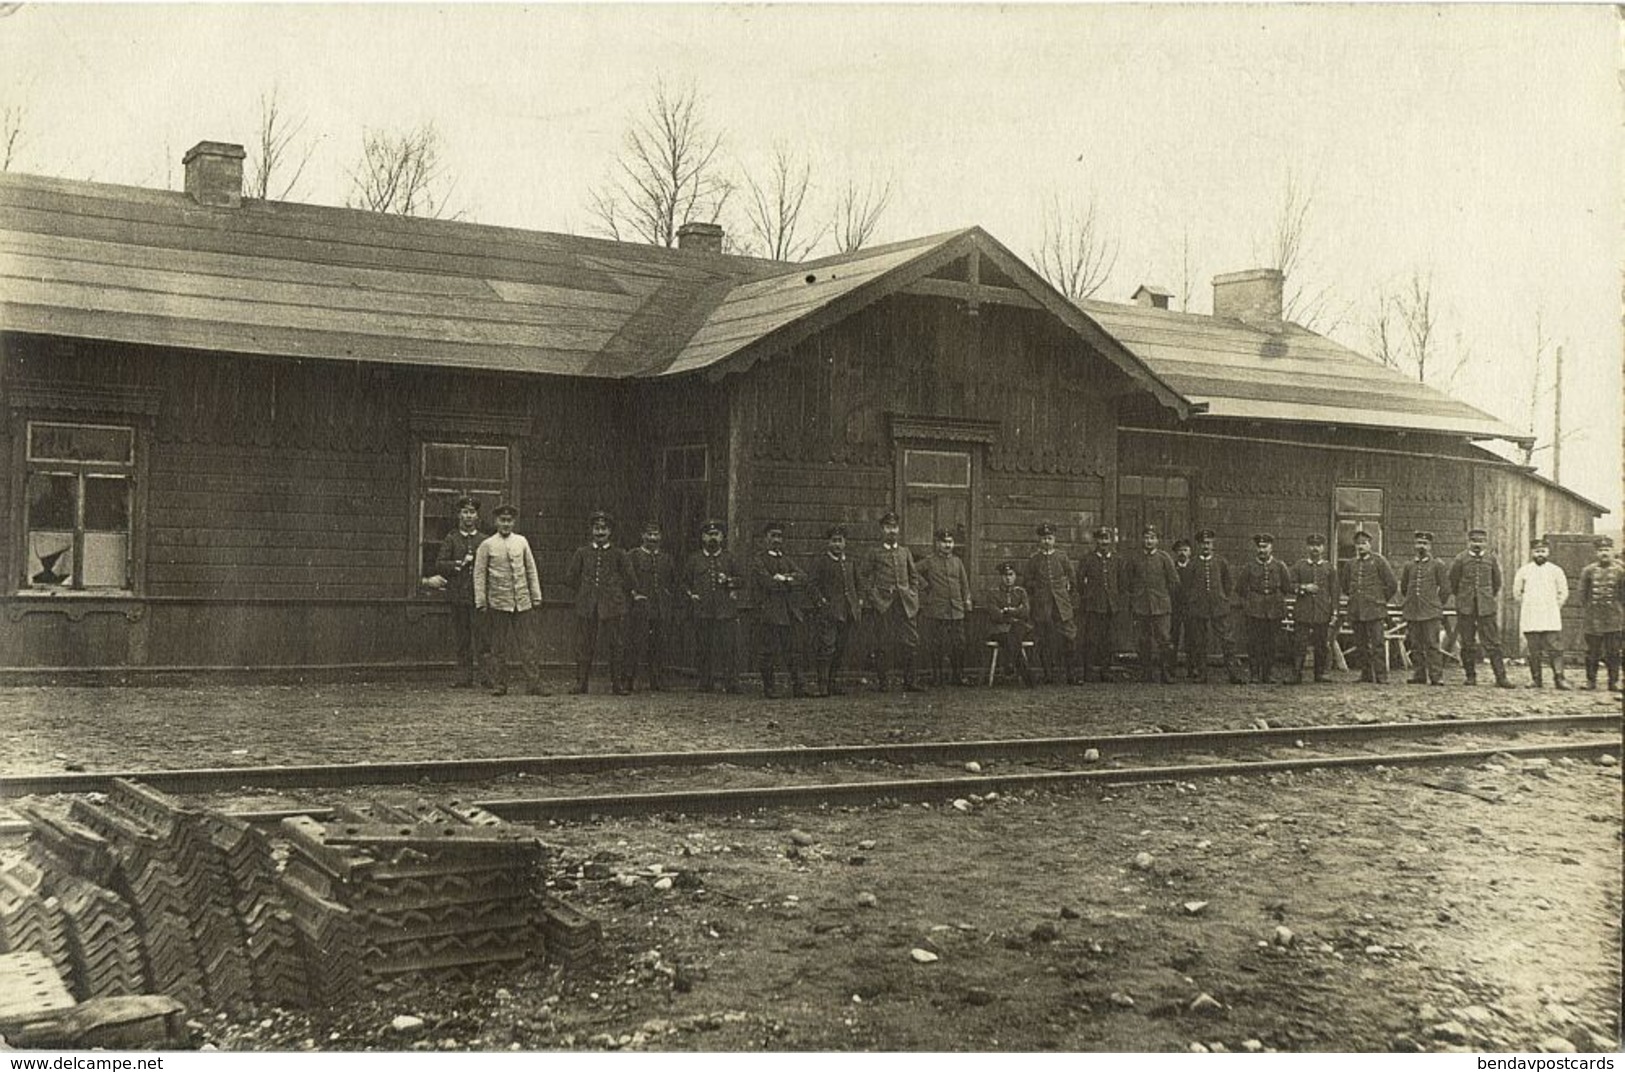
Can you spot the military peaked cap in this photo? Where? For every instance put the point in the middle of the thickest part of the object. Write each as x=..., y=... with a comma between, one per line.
x=772, y=526
x=597, y=516
x=943, y=534
x=1007, y=567
x=1045, y=529
x=713, y=526
x=1424, y=536
x=651, y=526
x=834, y=531
x=1205, y=534
x=506, y=510
x=1538, y=541
x=1263, y=538
x=1363, y=535
x=1149, y=530
x=1102, y=533
x=1602, y=541
x=1315, y=539
x=1480, y=533
x=468, y=500
x=889, y=518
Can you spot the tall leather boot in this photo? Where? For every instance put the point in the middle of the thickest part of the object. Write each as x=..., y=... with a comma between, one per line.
x=1591, y=671
x=1296, y=676
x=909, y=684
x=767, y=683
x=1613, y=673
x=1536, y=672
x=1498, y=663
x=796, y=686
x=1557, y=672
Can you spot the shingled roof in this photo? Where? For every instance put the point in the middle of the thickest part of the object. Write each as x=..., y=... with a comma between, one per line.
x=1282, y=372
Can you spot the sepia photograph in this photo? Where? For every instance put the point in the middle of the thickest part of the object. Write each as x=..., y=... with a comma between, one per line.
x=705, y=528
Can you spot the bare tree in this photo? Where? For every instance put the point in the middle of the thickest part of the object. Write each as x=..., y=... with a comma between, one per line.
x=1187, y=271
x=667, y=174
x=1383, y=331
x=11, y=133
x=1075, y=254
x=1420, y=323
x=402, y=173
x=275, y=152
x=1289, y=251
x=774, y=211
x=858, y=212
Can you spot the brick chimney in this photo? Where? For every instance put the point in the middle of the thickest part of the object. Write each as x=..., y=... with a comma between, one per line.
x=1152, y=297
x=214, y=173
x=701, y=237
x=1251, y=295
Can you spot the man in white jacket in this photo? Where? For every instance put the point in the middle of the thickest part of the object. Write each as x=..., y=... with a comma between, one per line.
x=1541, y=589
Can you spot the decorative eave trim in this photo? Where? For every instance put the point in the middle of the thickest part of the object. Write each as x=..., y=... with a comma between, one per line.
x=952, y=429
x=77, y=398
x=462, y=423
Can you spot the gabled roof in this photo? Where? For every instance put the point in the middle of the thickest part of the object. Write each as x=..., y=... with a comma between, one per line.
x=126, y=264
x=1283, y=372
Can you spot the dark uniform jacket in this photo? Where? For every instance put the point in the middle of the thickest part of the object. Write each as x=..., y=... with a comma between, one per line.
x=1208, y=588
x=1602, y=597
x=778, y=602
x=1011, y=608
x=1149, y=581
x=834, y=587
x=890, y=575
x=946, y=591
x=1314, y=608
x=1369, y=584
x=603, y=581
x=1426, y=584
x=456, y=564
x=1100, y=583
x=1263, y=588
x=713, y=578
x=1049, y=586
x=655, y=577
x=1475, y=581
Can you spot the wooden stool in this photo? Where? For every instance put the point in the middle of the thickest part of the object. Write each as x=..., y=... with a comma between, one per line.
x=993, y=659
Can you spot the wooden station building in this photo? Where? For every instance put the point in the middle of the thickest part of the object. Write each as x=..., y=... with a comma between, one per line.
x=234, y=428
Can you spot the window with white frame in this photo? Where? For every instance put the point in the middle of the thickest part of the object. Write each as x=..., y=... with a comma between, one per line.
x=1357, y=510
x=449, y=471
x=78, y=506
x=936, y=495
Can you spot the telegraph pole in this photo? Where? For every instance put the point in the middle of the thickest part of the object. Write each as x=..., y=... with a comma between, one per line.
x=1557, y=419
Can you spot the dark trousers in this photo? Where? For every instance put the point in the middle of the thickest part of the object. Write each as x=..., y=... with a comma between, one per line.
x=1055, y=648
x=645, y=644
x=714, y=652
x=776, y=643
x=1603, y=649
x=468, y=629
x=1151, y=636
x=593, y=632
x=511, y=639
x=1097, y=645
x=1373, y=648
x=1480, y=636
x=1202, y=633
x=1427, y=660
x=830, y=638
x=1263, y=641
x=1311, y=637
x=945, y=642
x=1176, y=638
x=896, y=638
x=1010, y=638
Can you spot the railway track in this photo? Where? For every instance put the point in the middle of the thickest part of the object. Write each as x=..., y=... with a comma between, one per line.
x=1601, y=734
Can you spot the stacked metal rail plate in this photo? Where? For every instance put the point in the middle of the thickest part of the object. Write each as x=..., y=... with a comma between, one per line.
x=31, y=919
x=382, y=893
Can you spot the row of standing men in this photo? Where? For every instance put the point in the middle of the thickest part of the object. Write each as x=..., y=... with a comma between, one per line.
x=627, y=601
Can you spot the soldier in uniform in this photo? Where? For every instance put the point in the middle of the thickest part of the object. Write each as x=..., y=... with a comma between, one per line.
x=779, y=586
x=1264, y=583
x=1369, y=583
x=655, y=579
x=712, y=579
x=890, y=586
x=1149, y=582
x=454, y=568
x=1011, y=627
x=1425, y=583
x=1209, y=590
x=945, y=599
x=1181, y=550
x=1314, y=584
x=1100, y=600
x=1541, y=588
x=604, y=584
x=837, y=609
x=1602, y=596
x=507, y=588
x=1475, y=583
x=1049, y=591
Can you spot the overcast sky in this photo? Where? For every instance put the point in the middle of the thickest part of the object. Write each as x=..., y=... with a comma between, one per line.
x=1482, y=145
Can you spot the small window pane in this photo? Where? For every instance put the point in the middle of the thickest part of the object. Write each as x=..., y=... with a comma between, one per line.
x=1178, y=487
x=488, y=464
x=686, y=463
x=443, y=462
x=918, y=521
x=80, y=442
x=936, y=468
x=50, y=558
x=1155, y=487
x=1359, y=501
x=107, y=505
x=51, y=501
x=107, y=557
x=1129, y=485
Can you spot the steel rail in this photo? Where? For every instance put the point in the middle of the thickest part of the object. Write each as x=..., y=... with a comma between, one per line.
x=343, y=775
x=709, y=800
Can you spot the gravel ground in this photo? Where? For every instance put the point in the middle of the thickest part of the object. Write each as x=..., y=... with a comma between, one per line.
x=1474, y=908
